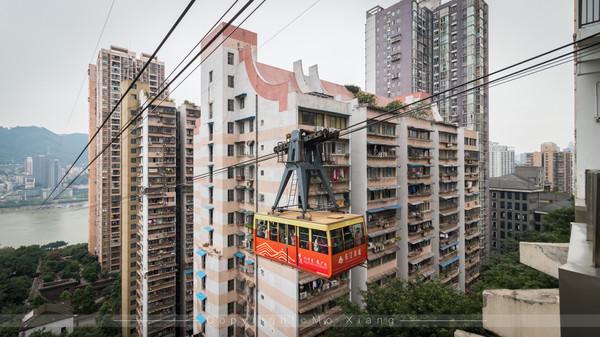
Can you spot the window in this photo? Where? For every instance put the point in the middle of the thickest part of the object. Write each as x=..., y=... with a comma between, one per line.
x=230, y=127
x=230, y=217
x=229, y=105
x=230, y=309
x=337, y=243
x=230, y=81
x=524, y=206
x=348, y=238
x=304, y=241
x=230, y=240
x=231, y=285
x=230, y=173
x=230, y=195
x=319, y=241
x=230, y=263
x=272, y=231
x=312, y=118
x=210, y=110
x=282, y=233
x=230, y=58
x=210, y=76
x=230, y=150
x=261, y=228
x=242, y=101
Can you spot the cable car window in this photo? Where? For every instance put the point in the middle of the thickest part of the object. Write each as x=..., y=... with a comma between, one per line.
x=304, y=240
x=319, y=240
x=282, y=233
x=348, y=238
x=261, y=228
x=337, y=242
x=291, y=235
x=358, y=234
x=273, y=231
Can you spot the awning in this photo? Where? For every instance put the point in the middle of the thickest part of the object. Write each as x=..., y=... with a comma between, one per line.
x=382, y=232
x=189, y=271
x=382, y=144
x=201, y=252
x=448, y=230
x=471, y=221
x=208, y=206
x=244, y=118
x=248, y=261
x=449, y=165
x=449, y=197
x=418, y=165
x=200, y=319
x=448, y=213
x=209, y=228
x=382, y=188
x=448, y=245
x=445, y=264
x=239, y=255
x=418, y=240
x=200, y=274
x=209, y=185
x=241, y=95
x=421, y=259
x=415, y=203
x=201, y=296
x=381, y=209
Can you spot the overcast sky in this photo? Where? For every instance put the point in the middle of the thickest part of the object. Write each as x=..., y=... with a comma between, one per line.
x=46, y=46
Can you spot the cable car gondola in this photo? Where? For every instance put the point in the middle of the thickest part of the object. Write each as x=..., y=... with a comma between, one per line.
x=324, y=243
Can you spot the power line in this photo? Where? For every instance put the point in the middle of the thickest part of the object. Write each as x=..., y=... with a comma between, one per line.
x=152, y=57
x=511, y=77
x=289, y=23
x=395, y=114
x=203, y=49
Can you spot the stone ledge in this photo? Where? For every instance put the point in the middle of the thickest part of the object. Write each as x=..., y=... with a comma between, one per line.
x=543, y=256
x=522, y=313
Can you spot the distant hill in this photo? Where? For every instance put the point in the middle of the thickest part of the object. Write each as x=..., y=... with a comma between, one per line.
x=23, y=141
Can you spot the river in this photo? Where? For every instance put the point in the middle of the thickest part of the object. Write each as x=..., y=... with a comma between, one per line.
x=25, y=226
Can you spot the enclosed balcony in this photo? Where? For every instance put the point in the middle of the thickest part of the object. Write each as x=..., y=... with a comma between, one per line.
x=381, y=151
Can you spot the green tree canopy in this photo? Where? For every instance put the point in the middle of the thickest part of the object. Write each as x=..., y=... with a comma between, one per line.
x=82, y=300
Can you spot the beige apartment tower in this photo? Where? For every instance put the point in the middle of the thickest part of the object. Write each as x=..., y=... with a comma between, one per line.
x=113, y=66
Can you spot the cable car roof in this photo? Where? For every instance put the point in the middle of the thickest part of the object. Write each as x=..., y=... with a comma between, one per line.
x=317, y=217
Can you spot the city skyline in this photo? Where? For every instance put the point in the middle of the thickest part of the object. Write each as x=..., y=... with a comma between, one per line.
x=348, y=30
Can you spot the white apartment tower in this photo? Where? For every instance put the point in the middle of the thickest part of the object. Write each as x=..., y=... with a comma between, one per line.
x=502, y=160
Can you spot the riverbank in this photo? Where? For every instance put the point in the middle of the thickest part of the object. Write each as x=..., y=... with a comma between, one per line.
x=68, y=204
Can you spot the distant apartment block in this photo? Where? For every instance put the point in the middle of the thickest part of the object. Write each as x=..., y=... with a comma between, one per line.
x=502, y=160
x=113, y=66
x=415, y=179
x=518, y=202
x=29, y=166
x=45, y=170
x=427, y=46
x=557, y=166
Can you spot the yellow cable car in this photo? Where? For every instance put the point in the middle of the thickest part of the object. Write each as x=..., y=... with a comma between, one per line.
x=327, y=244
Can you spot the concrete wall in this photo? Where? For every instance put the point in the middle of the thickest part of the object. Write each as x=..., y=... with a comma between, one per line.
x=545, y=257
x=522, y=313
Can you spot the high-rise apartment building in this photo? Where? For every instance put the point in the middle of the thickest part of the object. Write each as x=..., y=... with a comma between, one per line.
x=152, y=253
x=432, y=47
x=250, y=107
x=188, y=118
x=113, y=66
x=557, y=167
x=29, y=166
x=45, y=170
x=502, y=160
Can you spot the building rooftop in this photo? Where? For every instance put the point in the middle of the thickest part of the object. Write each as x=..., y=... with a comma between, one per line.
x=46, y=313
x=513, y=182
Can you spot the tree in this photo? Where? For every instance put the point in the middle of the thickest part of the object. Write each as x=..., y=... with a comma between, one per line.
x=90, y=272
x=65, y=296
x=394, y=105
x=82, y=300
x=42, y=333
x=557, y=227
x=365, y=98
x=38, y=300
x=352, y=88
x=89, y=332
x=411, y=300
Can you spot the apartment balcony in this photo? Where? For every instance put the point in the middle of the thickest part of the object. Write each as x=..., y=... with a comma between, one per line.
x=419, y=233
x=472, y=233
x=423, y=271
x=472, y=276
x=328, y=292
x=418, y=216
x=472, y=261
x=419, y=142
x=448, y=225
x=449, y=193
x=309, y=327
x=448, y=275
x=471, y=176
x=472, y=248
x=381, y=248
x=381, y=227
x=469, y=205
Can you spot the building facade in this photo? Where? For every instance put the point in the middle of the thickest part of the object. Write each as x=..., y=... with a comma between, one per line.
x=426, y=46
x=502, y=160
x=45, y=170
x=518, y=202
x=557, y=166
x=113, y=66
x=250, y=107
